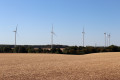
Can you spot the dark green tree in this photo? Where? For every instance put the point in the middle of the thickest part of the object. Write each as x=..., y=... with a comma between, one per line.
x=53, y=50
x=59, y=51
x=22, y=49
x=7, y=50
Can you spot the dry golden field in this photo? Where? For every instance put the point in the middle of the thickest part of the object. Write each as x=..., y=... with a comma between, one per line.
x=98, y=66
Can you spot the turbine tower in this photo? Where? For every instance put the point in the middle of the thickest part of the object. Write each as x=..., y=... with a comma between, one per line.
x=15, y=34
x=105, y=39
x=52, y=33
x=109, y=36
x=83, y=36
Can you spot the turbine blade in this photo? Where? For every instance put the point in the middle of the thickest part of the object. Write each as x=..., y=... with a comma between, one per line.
x=54, y=34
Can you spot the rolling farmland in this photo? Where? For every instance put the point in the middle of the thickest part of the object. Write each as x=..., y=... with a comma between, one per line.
x=97, y=66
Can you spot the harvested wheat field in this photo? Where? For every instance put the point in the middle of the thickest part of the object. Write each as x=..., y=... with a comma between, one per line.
x=98, y=66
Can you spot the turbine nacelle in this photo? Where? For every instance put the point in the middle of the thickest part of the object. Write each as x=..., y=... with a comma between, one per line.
x=14, y=31
x=53, y=33
x=83, y=32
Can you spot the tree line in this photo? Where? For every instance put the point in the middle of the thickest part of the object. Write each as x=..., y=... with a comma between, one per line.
x=23, y=49
x=90, y=49
x=68, y=50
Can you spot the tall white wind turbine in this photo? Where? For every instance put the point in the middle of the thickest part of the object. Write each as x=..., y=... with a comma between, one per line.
x=83, y=37
x=15, y=34
x=105, y=39
x=52, y=34
x=109, y=37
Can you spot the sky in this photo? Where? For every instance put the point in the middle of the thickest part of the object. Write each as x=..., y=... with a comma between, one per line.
x=35, y=19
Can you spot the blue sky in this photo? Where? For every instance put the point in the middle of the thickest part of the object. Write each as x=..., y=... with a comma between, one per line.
x=35, y=19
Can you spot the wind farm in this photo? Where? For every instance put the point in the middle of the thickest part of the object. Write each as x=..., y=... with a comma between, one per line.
x=53, y=62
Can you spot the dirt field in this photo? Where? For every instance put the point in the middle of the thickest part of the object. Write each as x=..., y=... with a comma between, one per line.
x=100, y=66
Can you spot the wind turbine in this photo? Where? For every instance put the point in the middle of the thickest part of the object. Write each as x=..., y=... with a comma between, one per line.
x=52, y=33
x=109, y=36
x=15, y=34
x=105, y=39
x=83, y=36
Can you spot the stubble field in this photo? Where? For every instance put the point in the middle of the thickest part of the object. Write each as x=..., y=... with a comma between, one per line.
x=98, y=66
